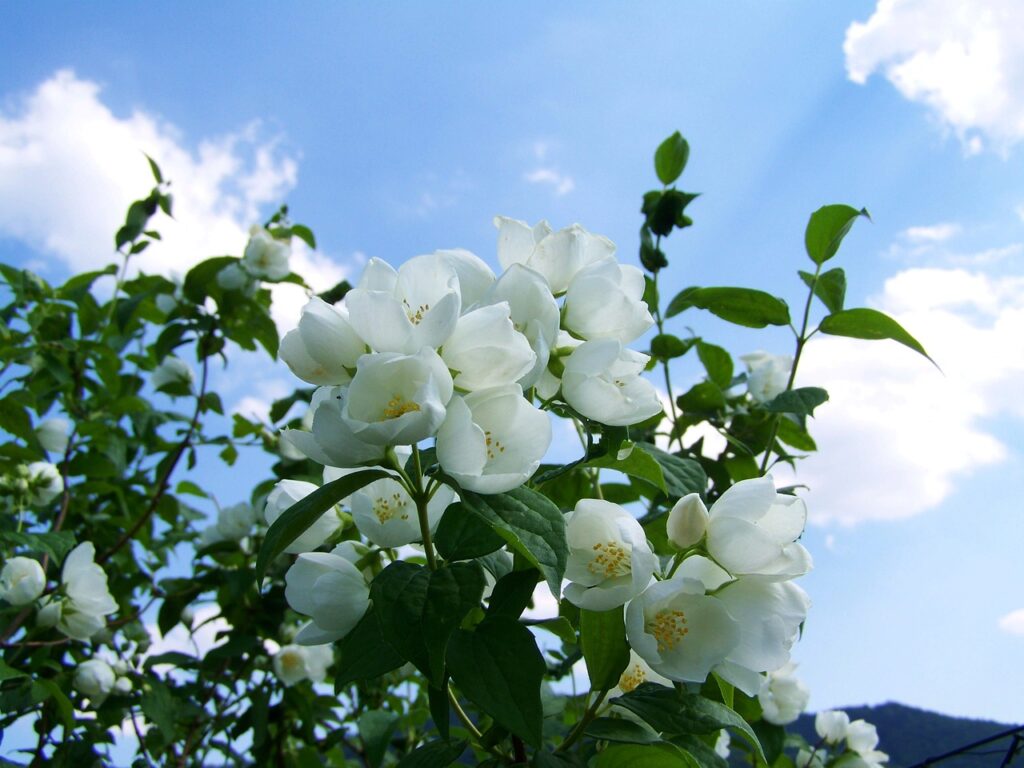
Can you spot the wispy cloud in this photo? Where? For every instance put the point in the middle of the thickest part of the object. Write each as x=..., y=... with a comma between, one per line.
x=964, y=61
x=560, y=183
x=1013, y=622
x=936, y=233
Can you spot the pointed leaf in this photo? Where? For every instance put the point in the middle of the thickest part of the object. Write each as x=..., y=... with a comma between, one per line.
x=826, y=229
x=363, y=653
x=670, y=158
x=605, y=650
x=870, y=324
x=830, y=287
x=801, y=401
x=742, y=306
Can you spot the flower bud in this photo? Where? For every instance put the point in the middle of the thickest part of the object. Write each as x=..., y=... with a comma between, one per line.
x=22, y=580
x=172, y=371
x=767, y=374
x=44, y=482
x=266, y=257
x=53, y=435
x=324, y=348
x=688, y=521
x=94, y=678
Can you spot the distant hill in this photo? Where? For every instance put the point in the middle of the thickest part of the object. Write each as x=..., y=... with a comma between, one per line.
x=911, y=736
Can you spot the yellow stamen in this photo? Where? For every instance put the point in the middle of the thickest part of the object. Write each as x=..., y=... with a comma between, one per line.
x=632, y=678
x=386, y=508
x=668, y=628
x=415, y=316
x=612, y=559
x=397, y=406
x=493, y=445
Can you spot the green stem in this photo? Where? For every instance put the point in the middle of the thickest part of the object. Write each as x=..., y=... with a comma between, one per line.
x=581, y=726
x=422, y=499
x=659, y=321
x=801, y=341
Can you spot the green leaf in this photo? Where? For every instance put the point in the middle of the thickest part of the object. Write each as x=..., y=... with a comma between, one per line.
x=794, y=435
x=301, y=515
x=682, y=476
x=463, y=535
x=665, y=346
x=60, y=700
x=622, y=731
x=605, y=650
x=670, y=158
x=500, y=669
x=772, y=738
x=364, y=654
x=717, y=363
x=703, y=397
x=530, y=524
x=801, y=401
x=159, y=706
x=742, y=306
x=305, y=234
x=155, y=169
x=203, y=276
x=645, y=756
x=830, y=287
x=436, y=754
x=869, y=324
x=635, y=461
x=512, y=594
x=670, y=712
x=55, y=544
x=336, y=293
x=375, y=729
x=826, y=229
x=418, y=609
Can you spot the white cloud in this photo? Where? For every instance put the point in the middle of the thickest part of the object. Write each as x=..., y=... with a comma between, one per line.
x=964, y=60
x=936, y=233
x=1013, y=622
x=560, y=183
x=897, y=434
x=69, y=167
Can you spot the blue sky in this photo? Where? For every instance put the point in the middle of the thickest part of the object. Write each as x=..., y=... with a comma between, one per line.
x=398, y=129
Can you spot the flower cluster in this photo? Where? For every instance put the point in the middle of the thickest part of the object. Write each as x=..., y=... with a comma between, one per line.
x=81, y=606
x=726, y=604
x=96, y=679
x=850, y=743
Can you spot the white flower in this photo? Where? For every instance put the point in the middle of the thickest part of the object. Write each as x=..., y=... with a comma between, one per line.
x=235, y=522
x=331, y=441
x=172, y=370
x=44, y=482
x=769, y=615
x=485, y=349
x=233, y=277
x=397, y=399
x=605, y=301
x=602, y=381
x=722, y=744
x=123, y=685
x=831, y=725
x=95, y=679
x=324, y=348
x=687, y=521
x=53, y=435
x=282, y=497
x=680, y=631
x=386, y=515
x=810, y=759
x=558, y=256
x=266, y=257
x=475, y=277
x=404, y=311
x=752, y=529
x=295, y=663
x=22, y=580
x=493, y=440
x=783, y=696
x=534, y=313
x=767, y=374
x=636, y=673
x=609, y=561
x=355, y=552
x=861, y=737
x=331, y=591
x=87, y=598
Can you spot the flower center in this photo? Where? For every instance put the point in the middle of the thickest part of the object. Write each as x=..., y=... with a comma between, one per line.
x=415, y=315
x=494, y=446
x=291, y=661
x=398, y=406
x=610, y=559
x=386, y=507
x=668, y=628
x=632, y=678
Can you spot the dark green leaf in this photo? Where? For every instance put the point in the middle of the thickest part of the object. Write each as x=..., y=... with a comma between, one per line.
x=375, y=729
x=512, y=594
x=55, y=544
x=530, y=524
x=605, y=650
x=500, y=669
x=682, y=476
x=704, y=397
x=621, y=730
x=793, y=435
x=670, y=158
x=337, y=293
x=60, y=700
x=635, y=461
x=155, y=169
x=363, y=653
x=645, y=756
x=301, y=515
x=665, y=346
x=436, y=754
x=717, y=363
x=826, y=229
x=440, y=711
x=159, y=707
x=772, y=738
x=869, y=324
x=801, y=401
x=671, y=712
x=418, y=609
x=742, y=306
x=305, y=234
x=830, y=287
x=463, y=535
